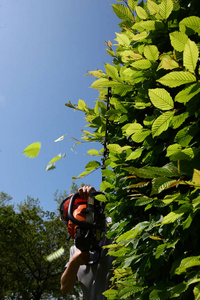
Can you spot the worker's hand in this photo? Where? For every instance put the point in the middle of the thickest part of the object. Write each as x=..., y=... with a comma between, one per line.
x=85, y=191
x=81, y=258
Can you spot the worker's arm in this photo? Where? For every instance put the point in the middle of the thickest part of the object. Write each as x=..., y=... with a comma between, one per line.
x=68, y=278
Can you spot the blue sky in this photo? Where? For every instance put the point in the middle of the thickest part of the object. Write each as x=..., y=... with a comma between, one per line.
x=46, y=49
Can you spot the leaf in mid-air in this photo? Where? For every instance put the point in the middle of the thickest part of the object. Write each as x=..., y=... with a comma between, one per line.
x=56, y=254
x=32, y=150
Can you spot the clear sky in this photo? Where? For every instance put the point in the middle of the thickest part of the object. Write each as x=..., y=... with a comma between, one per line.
x=46, y=49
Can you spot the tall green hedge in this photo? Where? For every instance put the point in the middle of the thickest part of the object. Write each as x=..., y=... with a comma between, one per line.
x=152, y=174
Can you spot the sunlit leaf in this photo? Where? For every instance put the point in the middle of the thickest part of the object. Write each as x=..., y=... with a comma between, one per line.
x=56, y=158
x=188, y=93
x=162, y=123
x=190, y=56
x=93, y=152
x=165, y=8
x=112, y=71
x=174, y=215
x=152, y=7
x=135, y=154
x=50, y=167
x=196, y=176
x=168, y=64
x=122, y=12
x=161, y=99
x=151, y=52
x=32, y=150
x=101, y=198
x=178, y=40
x=177, y=78
x=142, y=64
x=141, y=12
x=55, y=254
x=60, y=138
x=132, y=4
x=192, y=22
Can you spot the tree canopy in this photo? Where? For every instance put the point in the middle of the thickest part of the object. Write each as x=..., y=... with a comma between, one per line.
x=28, y=235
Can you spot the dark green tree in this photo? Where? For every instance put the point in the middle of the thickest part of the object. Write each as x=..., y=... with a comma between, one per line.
x=28, y=235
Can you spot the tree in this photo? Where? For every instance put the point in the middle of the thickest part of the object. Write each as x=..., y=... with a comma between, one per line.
x=27, y=236
x=152, y=174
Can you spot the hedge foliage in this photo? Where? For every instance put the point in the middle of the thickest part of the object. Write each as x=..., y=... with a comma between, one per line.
x=152, y=174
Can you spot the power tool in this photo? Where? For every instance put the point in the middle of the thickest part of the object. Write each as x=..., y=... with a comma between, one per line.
x=85, y=220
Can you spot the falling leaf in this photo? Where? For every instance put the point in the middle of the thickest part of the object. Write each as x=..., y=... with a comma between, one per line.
x=50, y=167
x=59, y=156
x=60, y=138
x=32, y=150
x=55, y=254
x=73, y=150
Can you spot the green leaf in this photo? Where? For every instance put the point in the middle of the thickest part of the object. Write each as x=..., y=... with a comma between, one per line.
x=93, y=152
x=142, y=64
x=143, y=201
x=190, y=56
x=196, y=176
x=148, y=25
x=166, y=8
x=104, y=83
x=122, y=12
x=192, y=22
x=105, y=185
x=135, y=154
x=55, y=254
x=160, y=184
x=177, y=121
x=132, y=4
x=196, y=292
x=112, y=72
x=178, y=40
x=161, y=99
x=185, y=135
x=173, y=149
x=162, y=123
x=126, y=292
x=174, y=215
x=177, y=78
x=50, y=167
x=159, y=250
x=141, y=13
x=128, y=235
x=133, y=128
x=101, y=198
x=151, y=52
x=122, y=39
x=168, y=64
x=110, y=294
x=32, y=150
x=82, y=105
x=152, y=7
x=188, y=93
x=91, y=165
x=56, y=158
x=177, y=290
x=140, y=136
x=139, y=36
x=186, y=263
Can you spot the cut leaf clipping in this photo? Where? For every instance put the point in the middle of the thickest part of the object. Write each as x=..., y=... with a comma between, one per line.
x=60, y=138
x=55, y=254
x=32, y=150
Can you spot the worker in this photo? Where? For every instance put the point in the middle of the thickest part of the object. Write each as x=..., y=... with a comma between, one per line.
x=94, y=278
